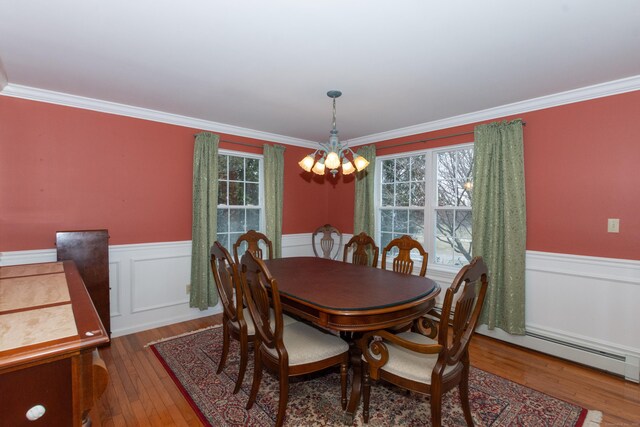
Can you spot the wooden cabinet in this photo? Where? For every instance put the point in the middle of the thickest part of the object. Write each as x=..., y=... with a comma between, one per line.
x=50, y=371
x=89, y=250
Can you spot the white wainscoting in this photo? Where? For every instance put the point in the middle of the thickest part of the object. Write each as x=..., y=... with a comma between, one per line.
x=579, y=308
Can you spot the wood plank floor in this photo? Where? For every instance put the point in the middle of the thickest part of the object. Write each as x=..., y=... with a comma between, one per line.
x=141, y=393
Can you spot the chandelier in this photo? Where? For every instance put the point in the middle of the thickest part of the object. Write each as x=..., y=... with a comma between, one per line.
x=333, y=155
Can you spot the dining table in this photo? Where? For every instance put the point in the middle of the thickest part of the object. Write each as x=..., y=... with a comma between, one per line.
x=351, y=299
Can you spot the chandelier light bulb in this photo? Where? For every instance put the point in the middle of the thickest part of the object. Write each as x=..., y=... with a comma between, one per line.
x=360, y=162
x=307, y=163
x=319, y=167
x=347, y=167
x=332, y=161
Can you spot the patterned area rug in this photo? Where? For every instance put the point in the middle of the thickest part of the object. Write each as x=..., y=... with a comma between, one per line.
x=192, y=359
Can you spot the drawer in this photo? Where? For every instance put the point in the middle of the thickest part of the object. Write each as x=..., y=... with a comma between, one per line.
x=48, y=384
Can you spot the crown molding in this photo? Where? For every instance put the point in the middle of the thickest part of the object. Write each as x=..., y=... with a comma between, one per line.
x=51, y=97
x=614, y=87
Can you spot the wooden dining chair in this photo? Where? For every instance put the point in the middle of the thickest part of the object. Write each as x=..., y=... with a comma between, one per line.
x=363, y=247
x=403, y=263
x=236, y=319
x=327, y=241
x=291, y=350
x=253, y=239
x=413, y=361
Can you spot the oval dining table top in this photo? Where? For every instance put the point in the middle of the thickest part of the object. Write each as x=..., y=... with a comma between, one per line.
x=339, y=286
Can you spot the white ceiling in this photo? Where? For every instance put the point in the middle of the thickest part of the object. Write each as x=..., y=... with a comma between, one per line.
x=267, y=65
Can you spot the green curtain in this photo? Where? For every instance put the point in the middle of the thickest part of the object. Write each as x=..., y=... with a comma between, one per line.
x=273, y=190
x=364, y=218
x=499, y=221
x=203, y=229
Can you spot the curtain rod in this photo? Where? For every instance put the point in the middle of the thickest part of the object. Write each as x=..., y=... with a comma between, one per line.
x=236, y=142
x=430, y=139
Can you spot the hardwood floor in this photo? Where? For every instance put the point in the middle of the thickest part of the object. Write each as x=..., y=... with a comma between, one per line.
x=141, y=393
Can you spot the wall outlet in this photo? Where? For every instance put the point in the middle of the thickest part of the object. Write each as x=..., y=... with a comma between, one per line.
x=613, y=225
x=188, y=287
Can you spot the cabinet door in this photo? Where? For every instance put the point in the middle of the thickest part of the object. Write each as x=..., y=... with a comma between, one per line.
x=89, y=249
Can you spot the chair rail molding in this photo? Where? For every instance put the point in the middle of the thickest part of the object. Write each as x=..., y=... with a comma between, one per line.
x=578, y=308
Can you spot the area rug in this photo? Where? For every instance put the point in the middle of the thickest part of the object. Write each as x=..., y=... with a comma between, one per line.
x=192, y=359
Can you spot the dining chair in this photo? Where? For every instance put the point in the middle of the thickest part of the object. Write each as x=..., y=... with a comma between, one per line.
x=253, y=239
x=363, y=246
x=291, y=350
x=403, y=263
x=415, y=362
x=327, y=241
x=236, y=319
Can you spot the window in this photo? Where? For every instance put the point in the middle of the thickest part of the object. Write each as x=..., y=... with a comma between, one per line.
x=240, y=206
x=427, y=195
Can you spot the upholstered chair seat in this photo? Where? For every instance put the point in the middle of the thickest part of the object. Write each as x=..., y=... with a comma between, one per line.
x=306, y=344
x=410, y=364
x=251, y=329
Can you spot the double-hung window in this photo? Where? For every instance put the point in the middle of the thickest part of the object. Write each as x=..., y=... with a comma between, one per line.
x=240, y=195
x=427, y=195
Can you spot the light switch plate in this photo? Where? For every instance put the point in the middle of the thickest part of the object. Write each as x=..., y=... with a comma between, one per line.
x=613, y=225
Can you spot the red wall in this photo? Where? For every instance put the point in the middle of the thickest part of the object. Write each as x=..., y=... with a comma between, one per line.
x=66, y=168
x=581, y=163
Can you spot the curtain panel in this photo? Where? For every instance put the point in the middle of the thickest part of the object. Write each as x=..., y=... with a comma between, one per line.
x=364, y=218
x=273, y=194
x=204, y=224
x=499, y=221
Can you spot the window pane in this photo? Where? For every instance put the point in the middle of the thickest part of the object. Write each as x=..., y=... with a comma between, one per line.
x=447, y=165
x=465, y=163
x=236, y=168
x=388, y=173
x=447, y=191
x=385, y=238
x=418, y=167
x=463, y=224
x=462, y=253
x=222, y=192
x=444, y=251
x=402, y=194
x=252, y=194
x=252, y=170
x=386, y=220
x=253, y=219
x=223, y=220
x=402, y=169
x=417, y=194
x=236, y=193
x=222, y=166
x=387, y=194
x=465, y=189
x=236, y=220
x=233, y=238
x=224, y=240
x=416, y=225
x=400, y=221
x=444, y=223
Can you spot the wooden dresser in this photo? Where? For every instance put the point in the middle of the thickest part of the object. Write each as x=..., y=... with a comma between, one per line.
x=50, y=370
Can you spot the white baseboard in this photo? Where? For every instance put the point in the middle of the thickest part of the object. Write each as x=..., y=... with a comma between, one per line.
x=578, y=308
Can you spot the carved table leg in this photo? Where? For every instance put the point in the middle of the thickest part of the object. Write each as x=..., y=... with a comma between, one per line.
x=356, y=381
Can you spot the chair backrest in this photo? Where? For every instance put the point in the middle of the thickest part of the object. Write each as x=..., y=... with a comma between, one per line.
x=226, y=276
x=363, y=246
x=327, y=242
x=261, y=294
x=403, y=263
x=468, y=290
x=253, y=239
